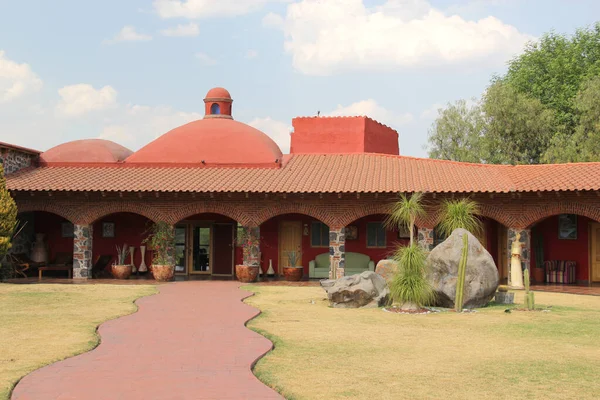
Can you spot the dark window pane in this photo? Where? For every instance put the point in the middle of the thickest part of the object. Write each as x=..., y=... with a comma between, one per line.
x=315, y=234
x=380, y=235
x=371, y=235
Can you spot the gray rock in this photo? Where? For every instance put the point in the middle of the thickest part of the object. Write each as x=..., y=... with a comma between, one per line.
x=387, y=269
x=481, y=277
x=366, y=289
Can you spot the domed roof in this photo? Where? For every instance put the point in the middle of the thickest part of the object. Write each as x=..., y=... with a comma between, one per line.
x=211, y=141
x=86, y=151
x=218, y=93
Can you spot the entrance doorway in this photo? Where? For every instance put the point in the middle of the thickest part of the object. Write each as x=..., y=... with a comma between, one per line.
x=204, y=248
x=595, y=252
x=290, y=239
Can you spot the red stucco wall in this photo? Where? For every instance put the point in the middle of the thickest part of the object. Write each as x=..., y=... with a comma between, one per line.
x=342, y=135
x=51, y=225
x=557, y=249
x=130, y=229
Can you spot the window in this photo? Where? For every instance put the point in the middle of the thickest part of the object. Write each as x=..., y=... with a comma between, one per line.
x=215, y=109
x=319, y=236
x=376, y=236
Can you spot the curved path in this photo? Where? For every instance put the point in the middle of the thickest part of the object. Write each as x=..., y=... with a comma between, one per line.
x=187, y=342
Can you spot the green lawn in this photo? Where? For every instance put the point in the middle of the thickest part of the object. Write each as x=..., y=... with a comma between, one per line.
x=326, y=353
x=41, y=324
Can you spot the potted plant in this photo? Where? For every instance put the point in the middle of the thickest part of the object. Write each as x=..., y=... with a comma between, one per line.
x=292, y=272
x=248, y=271
x=119, y=269
x=162, y=243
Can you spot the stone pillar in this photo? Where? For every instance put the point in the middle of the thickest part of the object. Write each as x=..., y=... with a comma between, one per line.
x=337, y=252
x=82, y=251
x=251, y=245
x=526, y=250
x=425, y=238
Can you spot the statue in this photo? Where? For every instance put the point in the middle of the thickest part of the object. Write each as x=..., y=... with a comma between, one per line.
x=516, y=270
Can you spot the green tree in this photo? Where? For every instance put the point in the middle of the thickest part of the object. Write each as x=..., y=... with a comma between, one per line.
x=405, y=212
x=584, y=144
x=519, y=128
x=457, y=133
x=554, y=68
x=544, y=109
x=8, y=216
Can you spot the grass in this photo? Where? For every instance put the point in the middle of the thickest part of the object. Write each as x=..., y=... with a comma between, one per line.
x=41, y=324
x=327, y=353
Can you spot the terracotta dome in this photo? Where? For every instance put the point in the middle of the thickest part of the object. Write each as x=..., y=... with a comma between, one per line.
x=218, y=93
x=211, y=141
x=86, y=151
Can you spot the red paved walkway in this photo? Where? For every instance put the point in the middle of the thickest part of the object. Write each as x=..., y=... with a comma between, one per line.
x=188, y=342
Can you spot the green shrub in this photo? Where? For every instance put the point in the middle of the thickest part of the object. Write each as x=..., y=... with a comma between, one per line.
x=409, y=287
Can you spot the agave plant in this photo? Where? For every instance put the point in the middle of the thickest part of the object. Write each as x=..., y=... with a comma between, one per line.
x=293, y=256
x=122, y=253
x=405, y=212
x=409, y=287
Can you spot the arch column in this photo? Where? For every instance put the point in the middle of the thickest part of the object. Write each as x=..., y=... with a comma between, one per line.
x=337, y=252
x=82, y=251
x=526, y=249
x=425, y=238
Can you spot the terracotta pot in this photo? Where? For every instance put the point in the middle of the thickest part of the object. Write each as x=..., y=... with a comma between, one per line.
x=121, y=271
x=293, y=274
x=539, y=275
x=162, y=273
x=246, y=273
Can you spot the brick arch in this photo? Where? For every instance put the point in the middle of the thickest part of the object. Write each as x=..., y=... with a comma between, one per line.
x=93, y=212
x=320, y=212
x=362, y=211
x=541, y=212
x=236, y=212
x=434, y=216
x=68, y=213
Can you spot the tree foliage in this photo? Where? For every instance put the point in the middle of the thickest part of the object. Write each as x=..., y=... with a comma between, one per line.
x=457, y=214
x=405, y=212
x=8, y=216
x=543, y=110
x=409, y=287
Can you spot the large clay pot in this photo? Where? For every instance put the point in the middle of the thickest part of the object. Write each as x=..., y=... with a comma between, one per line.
x=246, y=273
x=121, y=271
x=162, y=273
x=293, y=274
x=539, y=275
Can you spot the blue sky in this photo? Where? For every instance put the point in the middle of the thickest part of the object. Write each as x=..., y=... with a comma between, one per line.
x=131, y=70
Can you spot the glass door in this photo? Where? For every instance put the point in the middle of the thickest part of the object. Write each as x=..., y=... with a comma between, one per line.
x=181, y=258
x=201, y=262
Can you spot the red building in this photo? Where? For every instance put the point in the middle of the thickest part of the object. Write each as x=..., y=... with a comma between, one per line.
x=211, y=176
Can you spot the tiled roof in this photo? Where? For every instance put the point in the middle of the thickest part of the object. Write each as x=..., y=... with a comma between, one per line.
x=325, y=173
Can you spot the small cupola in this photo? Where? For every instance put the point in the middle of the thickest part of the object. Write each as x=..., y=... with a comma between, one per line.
x=217, y=103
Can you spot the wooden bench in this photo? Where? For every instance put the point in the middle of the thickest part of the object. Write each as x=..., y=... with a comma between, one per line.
x=68, y=268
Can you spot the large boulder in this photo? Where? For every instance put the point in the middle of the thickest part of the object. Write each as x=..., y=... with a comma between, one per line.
x=481, y=276
x=387, y=269
x=366, y=289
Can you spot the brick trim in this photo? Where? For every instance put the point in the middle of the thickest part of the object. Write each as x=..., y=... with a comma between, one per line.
x=318, y=211
x=357, y=213
x=68, y=213
x=93, y=212
x=231, y=210
x=543, y=211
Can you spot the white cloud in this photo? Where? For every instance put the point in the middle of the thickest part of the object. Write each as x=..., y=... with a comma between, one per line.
x=250, y=54
x=16, y=79
x=129, y=34
x=277, y=130
x=190, y=29
x=82, y=98
x=205, y=59
x=194, y=9
x=432, y=112
x=272, y=20
x=371, y=109
x=324, y=37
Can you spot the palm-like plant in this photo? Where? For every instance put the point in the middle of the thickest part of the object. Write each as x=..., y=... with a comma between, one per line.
x=409, y=287
x=457, y=214
x=405, y=212
x=461, y=213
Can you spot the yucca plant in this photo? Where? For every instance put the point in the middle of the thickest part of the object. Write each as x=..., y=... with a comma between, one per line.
x=405, y=212
x=409, y=287
x=457, y=214
x=122, y=253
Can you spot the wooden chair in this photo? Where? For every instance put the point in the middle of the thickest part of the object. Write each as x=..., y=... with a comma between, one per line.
x=22, y=264
x=61, y=262
x=100, y=268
